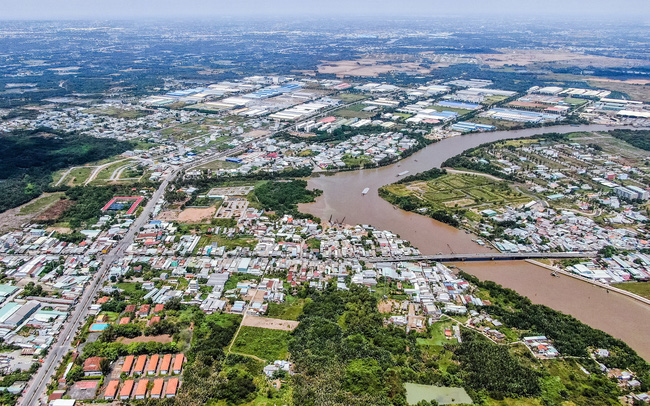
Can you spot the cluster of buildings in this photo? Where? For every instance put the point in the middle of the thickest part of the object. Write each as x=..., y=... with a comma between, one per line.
x=633, y=266
x=583, y=199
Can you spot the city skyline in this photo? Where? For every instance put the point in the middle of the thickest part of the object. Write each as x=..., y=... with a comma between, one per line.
x=121, y=9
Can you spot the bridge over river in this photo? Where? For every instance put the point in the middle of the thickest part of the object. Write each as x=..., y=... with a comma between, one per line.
x=484, y=256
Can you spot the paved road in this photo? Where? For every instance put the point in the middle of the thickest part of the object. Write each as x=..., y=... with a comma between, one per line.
x=63, y=344
x=485, y=256
x=34, y=394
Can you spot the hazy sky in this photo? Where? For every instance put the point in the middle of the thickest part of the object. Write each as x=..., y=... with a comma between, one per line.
x=107, y=9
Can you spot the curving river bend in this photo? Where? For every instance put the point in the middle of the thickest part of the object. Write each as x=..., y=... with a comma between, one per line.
x=342, y=199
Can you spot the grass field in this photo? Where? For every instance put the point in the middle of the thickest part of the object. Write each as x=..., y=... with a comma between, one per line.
x=360, y=160
x=78, y=176
x=455, y=110
x=106, y=173
x=229, y=243
x=40, y=203
x=116, y=112
x=493, y=99
x=354, y=111
x=499, y=124
x=437, y=334
x=639, y=288
x=350, y=97
x=263, y=343
x=460, y=190
x=127, y=287
x=290, y=310
x=220, y=165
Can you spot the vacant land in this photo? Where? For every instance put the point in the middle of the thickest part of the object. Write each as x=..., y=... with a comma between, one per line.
x=196, y=215
x=220, y=165
x=350, y=97
x=165, y=338
x=524, y=57
x=40, y=203
x=269, y=323
x=368, y=67
x=639, y=288
x=55, y=210
x=460, y=190
x=354, y=111
x=116, y=112
x=263, y=343
x=290, y=310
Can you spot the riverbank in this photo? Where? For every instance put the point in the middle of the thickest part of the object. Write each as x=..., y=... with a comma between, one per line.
x=342, y=198
x=619, y=315
x=595, y=283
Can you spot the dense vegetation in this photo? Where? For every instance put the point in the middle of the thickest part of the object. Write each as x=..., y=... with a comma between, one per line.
x=283, y=197
x=637, y=138
x=29, y=157
x=204, y=377
x=345, y=356
x=423, y=176
x=468, y=158
x=483, y=361
x=571, y=337
x=412, y=203
x=89, y=201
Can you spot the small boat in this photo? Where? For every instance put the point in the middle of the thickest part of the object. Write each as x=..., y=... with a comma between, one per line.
x=554, y=274
x=402, y=173
x=365, y=191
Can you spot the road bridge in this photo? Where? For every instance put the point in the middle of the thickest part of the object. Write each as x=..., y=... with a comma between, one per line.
x=485, y=256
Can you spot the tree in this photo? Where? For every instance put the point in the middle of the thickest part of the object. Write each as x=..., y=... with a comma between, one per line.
x=105, y=366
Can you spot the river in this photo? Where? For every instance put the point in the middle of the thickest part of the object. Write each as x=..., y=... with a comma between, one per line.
x=342, y=199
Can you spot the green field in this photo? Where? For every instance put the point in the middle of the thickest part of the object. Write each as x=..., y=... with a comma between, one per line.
x=437, y=334
x=116, y=112
x=229, y=243
x=78, y=176
x=40, y=203
x=460, y=190
x=350, y=97
x=452, y=109
x=499, y=124
x=106, y=173
x=219, y=164
x=290, y=310
x=263, y=343
x=359, y=160
x=493, y=99
x=354, y=111
x=639, y=288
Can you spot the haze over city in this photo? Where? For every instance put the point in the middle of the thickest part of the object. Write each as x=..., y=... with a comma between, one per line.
x=125, y=9
x=271, y=203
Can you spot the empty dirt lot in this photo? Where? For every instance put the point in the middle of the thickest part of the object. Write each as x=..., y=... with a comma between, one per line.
x=273, y=324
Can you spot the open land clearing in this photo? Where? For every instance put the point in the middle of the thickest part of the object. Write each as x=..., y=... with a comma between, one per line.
x=474, y=192
x=524, y=57
x=48, y=206
x=261, y=343
x=164, y=338
x=636, y=89
x=273, y=324
x=368, y=67
x=196, y=215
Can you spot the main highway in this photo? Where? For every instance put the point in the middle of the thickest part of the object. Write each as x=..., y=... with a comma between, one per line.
x=34, y=394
